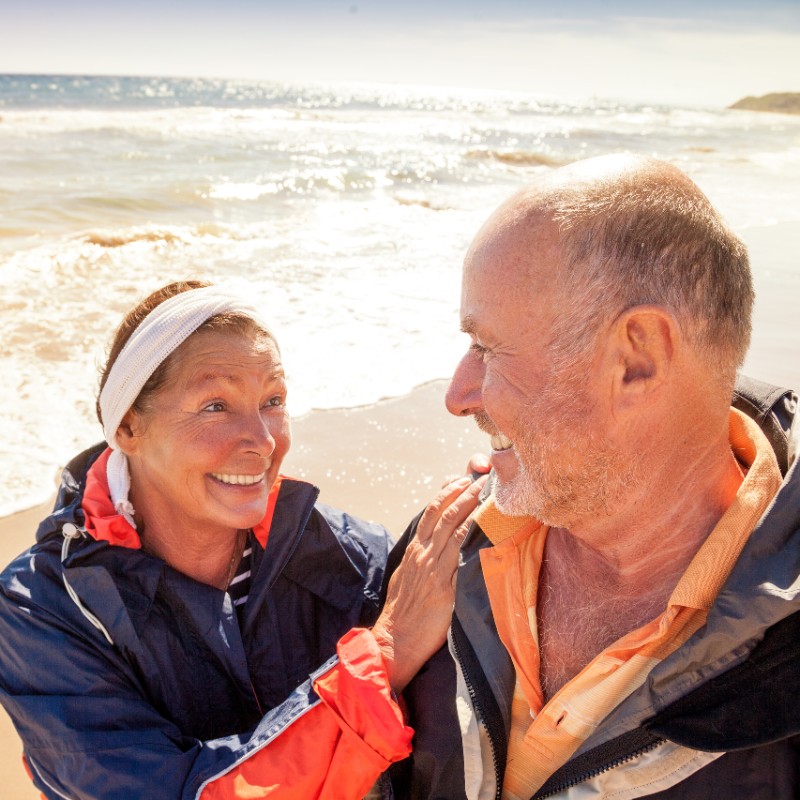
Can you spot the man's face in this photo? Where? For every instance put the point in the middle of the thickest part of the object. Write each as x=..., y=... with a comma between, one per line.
x=550, y=449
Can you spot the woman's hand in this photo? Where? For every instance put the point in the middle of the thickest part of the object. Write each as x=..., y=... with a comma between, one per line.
x=479, y=464
x=419, y=604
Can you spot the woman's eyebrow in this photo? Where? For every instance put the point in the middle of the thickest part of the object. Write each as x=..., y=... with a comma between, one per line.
x=201, y=379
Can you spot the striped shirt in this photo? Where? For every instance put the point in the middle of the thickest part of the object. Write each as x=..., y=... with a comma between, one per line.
x=239, y=587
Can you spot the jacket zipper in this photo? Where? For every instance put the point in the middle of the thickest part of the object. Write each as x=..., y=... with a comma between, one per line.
x=307, y=511
x=255, y=697
x=476, y=704
x=593, y=773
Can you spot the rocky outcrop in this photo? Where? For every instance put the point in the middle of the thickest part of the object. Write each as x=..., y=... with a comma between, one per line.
x=778, y=102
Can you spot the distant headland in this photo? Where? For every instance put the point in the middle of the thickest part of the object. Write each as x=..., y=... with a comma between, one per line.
x=778, y=102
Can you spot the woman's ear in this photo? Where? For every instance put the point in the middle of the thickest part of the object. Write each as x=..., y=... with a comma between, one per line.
x=129, y=432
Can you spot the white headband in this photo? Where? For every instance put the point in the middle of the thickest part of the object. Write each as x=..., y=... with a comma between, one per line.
x=161, y=332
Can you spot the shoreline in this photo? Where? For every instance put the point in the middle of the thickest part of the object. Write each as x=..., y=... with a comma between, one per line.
x=772, y=356
x=775, y=343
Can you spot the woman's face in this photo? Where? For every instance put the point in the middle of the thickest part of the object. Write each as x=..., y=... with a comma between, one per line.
x=206, y=451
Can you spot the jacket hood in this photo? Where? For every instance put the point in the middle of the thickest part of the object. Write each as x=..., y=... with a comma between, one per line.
x=67, y=505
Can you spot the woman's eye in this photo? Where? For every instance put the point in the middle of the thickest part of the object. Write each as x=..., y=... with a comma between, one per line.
x=277, y=401
x=216, y=407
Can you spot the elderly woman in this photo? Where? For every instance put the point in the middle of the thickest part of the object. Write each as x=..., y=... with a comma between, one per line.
x=189, y=624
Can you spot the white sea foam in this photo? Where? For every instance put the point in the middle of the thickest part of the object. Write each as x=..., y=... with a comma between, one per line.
x=345, y=211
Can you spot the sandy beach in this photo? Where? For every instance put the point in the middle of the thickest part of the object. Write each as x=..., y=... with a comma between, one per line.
x=381, y=462
x=16, y=533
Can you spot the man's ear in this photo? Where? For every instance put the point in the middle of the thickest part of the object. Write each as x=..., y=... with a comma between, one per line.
x=644, y=340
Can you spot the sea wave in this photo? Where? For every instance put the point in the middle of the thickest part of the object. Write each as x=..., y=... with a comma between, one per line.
x=344, y=211
x=518, y=158
x=180, y=236
x=699, y=149
x=413, y=199
x=112, y=239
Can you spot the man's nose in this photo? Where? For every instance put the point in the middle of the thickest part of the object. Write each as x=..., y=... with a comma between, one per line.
x=464, y=393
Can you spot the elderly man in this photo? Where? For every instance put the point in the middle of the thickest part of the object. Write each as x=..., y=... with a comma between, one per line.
x=626, y=612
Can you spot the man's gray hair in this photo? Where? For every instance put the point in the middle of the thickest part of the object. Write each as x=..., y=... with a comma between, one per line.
x=648, y=235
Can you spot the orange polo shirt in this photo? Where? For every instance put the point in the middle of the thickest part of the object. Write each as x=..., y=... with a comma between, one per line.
x=543, y=737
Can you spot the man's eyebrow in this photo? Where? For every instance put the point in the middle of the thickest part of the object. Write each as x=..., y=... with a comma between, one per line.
x=468, y=325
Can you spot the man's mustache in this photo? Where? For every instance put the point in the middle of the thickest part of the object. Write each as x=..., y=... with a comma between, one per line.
x=484, y=422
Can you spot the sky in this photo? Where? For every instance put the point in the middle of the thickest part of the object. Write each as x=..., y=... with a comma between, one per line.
x=705, y=52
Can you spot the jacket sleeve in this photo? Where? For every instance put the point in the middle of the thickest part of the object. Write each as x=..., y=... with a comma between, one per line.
x=89, y=731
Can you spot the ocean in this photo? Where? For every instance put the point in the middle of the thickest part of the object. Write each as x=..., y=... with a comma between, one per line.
x=344, y=211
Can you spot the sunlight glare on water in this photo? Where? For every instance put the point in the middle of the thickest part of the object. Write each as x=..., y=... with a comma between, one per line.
x=344, y=211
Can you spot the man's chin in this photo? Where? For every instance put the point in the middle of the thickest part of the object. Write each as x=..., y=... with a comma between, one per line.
x=512, y=499
x=520, y=499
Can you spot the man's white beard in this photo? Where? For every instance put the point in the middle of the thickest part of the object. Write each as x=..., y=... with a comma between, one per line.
x=571, y=476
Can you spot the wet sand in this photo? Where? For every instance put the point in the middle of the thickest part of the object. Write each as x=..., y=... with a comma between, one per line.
x=774, y=354
x=16, y=533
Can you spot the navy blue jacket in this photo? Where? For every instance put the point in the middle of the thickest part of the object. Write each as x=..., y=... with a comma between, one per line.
x=184, y=693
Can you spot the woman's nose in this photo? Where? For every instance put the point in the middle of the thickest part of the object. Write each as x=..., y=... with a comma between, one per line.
x=258, y=434
x=464, y=392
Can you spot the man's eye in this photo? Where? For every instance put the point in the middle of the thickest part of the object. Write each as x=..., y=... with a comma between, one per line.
x=479, y=349
x=277, y=401
x=215, y=407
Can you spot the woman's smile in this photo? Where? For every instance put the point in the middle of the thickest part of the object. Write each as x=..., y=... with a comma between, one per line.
x=238, y=480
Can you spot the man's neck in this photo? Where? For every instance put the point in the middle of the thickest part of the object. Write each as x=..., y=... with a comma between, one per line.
x=652, y=537
x=608, y=577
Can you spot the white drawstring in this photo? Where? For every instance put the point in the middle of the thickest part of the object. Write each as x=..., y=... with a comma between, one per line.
x=71, y=532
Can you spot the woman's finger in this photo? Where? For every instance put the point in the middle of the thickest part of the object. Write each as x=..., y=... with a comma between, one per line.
x=450, y=552
x=437, y=506
x=456, y=515
x=478, y=463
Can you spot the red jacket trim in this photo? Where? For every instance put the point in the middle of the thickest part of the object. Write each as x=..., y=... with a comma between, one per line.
x=339, y=747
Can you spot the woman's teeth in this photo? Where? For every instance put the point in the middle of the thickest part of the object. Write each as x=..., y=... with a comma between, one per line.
x=239, y=480
x=500, y=442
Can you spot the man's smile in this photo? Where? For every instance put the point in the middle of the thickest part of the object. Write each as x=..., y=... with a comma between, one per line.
x=500, y=442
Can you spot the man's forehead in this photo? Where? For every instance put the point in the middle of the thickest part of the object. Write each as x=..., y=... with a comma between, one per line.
x=514, y=246
x=528, y=215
